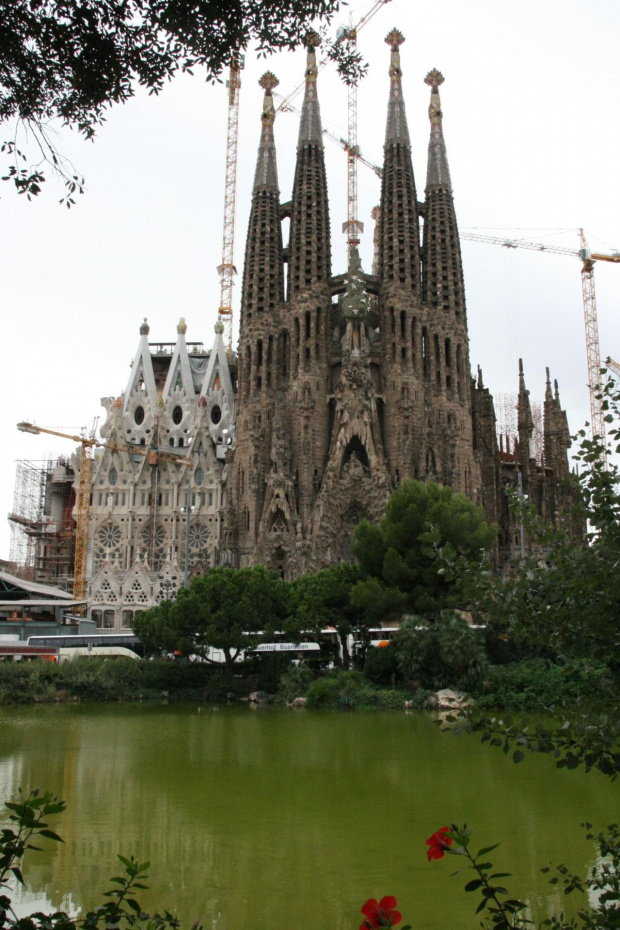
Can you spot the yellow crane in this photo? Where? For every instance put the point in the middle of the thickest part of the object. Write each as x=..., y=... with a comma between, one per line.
x=227, y=269
x=593, y=351
x=88, y=444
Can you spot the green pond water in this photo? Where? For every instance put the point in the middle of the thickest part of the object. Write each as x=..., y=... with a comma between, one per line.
x=276, y=818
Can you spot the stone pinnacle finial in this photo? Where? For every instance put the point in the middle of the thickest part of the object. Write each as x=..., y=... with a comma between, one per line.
x=394, y=39
x=434, y=79
x=145, y=328
x=181, y=326
x=268, y=82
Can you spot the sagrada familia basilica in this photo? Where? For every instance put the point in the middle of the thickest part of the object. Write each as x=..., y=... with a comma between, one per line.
x=345, y=383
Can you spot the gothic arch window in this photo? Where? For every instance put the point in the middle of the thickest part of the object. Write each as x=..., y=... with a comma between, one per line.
x=431, y=464
x=199, y=476
x=112, y=476
x=403, y=324
x=259, y=353
x=414, y=339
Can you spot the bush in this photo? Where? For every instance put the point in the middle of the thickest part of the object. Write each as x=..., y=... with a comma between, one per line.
x=353, y=689
x=295, y=682
x=381, y=666
x=444, y=652
x=538, y=684
x=271, y=667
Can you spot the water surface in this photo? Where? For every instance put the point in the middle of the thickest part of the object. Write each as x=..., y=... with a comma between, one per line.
x=291, y=819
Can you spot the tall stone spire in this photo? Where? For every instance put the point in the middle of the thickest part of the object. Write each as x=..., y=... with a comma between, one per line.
x=309, y=246
x=443, y=285
x=399, y=250
x=266, y=176
x=263, y=276
x=437, y=172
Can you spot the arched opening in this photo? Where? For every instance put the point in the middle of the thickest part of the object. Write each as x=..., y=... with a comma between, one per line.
x=355, y=455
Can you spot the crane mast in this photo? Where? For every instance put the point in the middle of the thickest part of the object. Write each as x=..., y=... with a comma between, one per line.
x=592, y=341
x=227, y=270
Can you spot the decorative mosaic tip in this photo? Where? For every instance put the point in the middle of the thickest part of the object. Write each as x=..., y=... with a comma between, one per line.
x=312, y=39
x=268, y=81
x=145, y=328
x=117, y=403
x=375, y=213
x=219, y=328
x=434, y=79
x=394, y=39
x=181, y=326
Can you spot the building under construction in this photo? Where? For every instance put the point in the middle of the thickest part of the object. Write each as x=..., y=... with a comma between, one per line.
x=42, y=521
x=345, y=383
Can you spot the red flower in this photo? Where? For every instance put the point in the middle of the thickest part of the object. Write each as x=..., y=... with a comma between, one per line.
x=438, y=843
x=380, y=913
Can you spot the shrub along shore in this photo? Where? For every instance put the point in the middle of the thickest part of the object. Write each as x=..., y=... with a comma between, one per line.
x=535, y=684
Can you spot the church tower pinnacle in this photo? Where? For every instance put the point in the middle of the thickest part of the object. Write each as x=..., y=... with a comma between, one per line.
x=443, y=285
x=309, y=246
x=399, y=238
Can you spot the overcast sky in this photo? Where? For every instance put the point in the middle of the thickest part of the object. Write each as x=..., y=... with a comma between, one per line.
x=532, y=127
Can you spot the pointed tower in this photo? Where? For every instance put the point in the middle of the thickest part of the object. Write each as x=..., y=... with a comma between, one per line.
x=556, y=433
x=399, y=249
x=261, y=308
x=309, y=268
x=401, y=406
x=263, y=277
x=308, y=327
x=443, y=285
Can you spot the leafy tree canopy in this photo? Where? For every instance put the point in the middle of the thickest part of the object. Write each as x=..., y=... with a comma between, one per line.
x=566, y=595
x=324, y=599
x=70, y=59
x=226, y=608
x=402, y=552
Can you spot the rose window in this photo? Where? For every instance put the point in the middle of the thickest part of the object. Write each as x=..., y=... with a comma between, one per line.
x=198, y=536
x=159, y=537
x=109, y=536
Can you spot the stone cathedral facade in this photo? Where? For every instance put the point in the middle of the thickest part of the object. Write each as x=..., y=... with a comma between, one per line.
x=345, y=383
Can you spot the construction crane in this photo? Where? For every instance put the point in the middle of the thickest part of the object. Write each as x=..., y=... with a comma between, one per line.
x=615, y=366
x=593, y=351
x=88, y=444
x=227, y=270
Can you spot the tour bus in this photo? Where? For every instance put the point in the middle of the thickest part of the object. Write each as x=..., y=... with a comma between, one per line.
x=97, y=644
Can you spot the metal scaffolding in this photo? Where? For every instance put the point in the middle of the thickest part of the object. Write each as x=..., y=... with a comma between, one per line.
x=42, y=524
